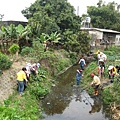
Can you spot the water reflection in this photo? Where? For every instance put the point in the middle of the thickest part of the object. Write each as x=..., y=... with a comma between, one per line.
x=67, y=102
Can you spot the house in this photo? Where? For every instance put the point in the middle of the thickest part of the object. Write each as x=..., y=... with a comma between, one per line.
x=102, y=38
x=16, y=23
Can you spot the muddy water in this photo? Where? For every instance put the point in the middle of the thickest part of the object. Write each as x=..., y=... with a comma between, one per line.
x=67, y=102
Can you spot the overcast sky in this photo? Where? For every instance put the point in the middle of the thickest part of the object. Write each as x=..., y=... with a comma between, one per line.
x=12, y=8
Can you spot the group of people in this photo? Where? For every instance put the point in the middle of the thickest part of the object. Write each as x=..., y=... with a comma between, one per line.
x=112, y=71
x=79, y=72
x=23, y=76
x=102, y=58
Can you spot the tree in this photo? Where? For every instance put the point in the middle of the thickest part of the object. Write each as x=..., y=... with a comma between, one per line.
x=54, y=18
x=79, y=43
x=104, y=16
x=53, y=15
x=84, y=42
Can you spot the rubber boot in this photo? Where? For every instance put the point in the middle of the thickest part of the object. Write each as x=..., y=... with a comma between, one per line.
x=96, y=92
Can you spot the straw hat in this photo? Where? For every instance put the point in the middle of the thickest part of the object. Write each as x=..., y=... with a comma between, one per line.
x=101, y=60
x=110, y=67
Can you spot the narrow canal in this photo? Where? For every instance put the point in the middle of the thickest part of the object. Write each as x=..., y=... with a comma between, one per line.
x=67, y=102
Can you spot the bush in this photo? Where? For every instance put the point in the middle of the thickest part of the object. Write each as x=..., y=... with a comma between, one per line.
x=13, y=49
x=116, y=49
x=108, y=96
x=109, y=52
x=5, y=62
x=26, y=51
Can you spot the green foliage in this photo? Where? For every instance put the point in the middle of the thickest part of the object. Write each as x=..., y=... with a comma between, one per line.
x=63, y=63
x=38, y=85
x=114, y=49
x=108, y=96
x=9, y=32
x=27, y=51
x=58, y=16
x=25, y=108
x=53, y=37
x=13, y=49
x=91, y=68
x=105, y=13
x=113, y=53
x=109, y=52
x=5, y=62
x=73, y=55
x=111, y=93
x=83, y=40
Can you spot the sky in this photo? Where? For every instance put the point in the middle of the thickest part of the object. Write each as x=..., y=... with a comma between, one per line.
x=12, y=8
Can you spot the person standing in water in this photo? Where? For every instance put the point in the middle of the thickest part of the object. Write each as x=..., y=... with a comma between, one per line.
x=79, y=74
x=82, y=63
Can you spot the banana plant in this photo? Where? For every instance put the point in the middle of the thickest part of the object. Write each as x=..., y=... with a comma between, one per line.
x=43, y=37
x=54, y=37
x=9, y=32
x=23, y=33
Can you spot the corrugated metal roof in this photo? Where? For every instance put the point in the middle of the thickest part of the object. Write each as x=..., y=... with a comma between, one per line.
x=101, y=30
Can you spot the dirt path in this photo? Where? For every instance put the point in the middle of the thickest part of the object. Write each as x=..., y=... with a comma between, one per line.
x=8, y=80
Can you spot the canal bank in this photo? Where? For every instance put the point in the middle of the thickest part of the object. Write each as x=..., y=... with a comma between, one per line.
x=67, y=102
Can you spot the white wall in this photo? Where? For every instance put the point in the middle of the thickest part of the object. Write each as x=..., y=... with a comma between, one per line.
x=117, y=40
x=99, y=35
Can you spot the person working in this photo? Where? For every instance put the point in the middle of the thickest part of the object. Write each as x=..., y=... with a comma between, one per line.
x=101, y=55
x=96, y=82
x=21, y=76
x=118, y=68
x=82, y=63
x=112, y=71
x=101, y=68
x=34, y=68
x=79, y=75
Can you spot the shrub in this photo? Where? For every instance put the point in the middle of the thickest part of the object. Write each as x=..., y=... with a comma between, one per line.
x=38, y=86
x=26, y=51
x=116, y=49
x=13, y=49
x=5, y=62
x=109, y=52
x=108, y=96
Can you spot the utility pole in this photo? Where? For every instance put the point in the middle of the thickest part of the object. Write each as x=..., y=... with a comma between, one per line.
x=77, y=10
x=1, y=16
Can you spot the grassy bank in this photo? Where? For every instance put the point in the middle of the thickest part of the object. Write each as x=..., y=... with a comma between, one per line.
x=27, y=106
x=110, y=93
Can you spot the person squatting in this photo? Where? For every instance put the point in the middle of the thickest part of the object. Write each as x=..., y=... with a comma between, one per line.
x=23, y=76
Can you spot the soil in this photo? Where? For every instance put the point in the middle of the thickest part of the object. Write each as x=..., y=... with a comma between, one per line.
x=8, y=82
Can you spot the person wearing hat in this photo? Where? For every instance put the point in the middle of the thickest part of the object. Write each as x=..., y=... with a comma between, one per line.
x=104, y=57
x=101, y=55
x=96, y=82
x=101, y=67
x=34, y=68
x=112, y=71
